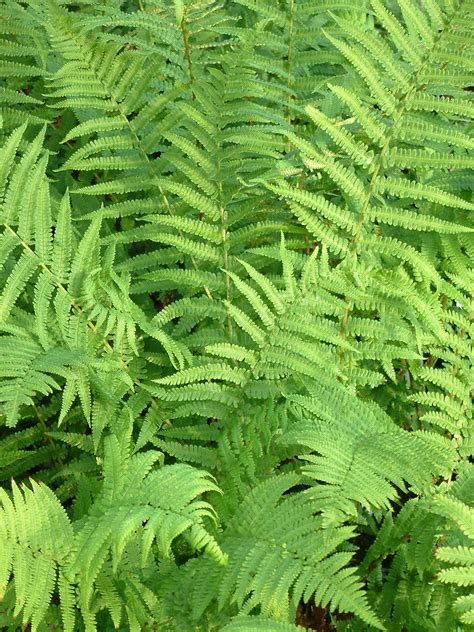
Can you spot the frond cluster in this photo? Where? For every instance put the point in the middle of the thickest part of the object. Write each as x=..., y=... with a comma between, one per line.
x=236, y=315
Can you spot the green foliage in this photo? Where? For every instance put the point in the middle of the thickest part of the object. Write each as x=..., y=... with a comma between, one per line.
x=236, y=315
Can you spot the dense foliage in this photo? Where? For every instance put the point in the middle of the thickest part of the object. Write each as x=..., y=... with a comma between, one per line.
x=236, y=315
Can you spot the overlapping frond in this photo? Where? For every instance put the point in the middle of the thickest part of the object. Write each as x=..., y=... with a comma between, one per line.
x=236, y=249
x=46, y=556
x=351, y=465
x=277, y=554
x=36, y=536
x=23, y=69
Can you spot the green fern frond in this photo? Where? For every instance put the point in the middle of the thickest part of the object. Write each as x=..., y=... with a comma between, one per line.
x=283, y=561
x=245, y=623
x=236, y=315
x=341, y=459
x=35, y=552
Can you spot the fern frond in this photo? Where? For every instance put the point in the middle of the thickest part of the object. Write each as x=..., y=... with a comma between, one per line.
x=285, y=562
x=36, y=551
x=165, y=519
x=353, y=466
x=236, y=315
x=246, y=623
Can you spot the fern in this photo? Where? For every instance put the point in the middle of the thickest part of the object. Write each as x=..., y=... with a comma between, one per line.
x=236, y=249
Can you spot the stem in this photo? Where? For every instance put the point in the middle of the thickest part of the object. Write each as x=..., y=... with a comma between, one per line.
x=187, y=48
x=289, y=64
x=50, y=440
x=225, y=245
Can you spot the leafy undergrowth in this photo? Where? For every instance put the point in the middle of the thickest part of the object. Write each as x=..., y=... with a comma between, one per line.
x=236, y=315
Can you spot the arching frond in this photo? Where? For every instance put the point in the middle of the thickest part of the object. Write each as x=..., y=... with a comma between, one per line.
x=236, y=309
